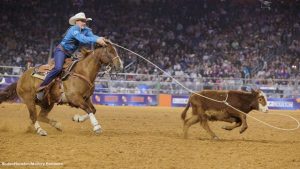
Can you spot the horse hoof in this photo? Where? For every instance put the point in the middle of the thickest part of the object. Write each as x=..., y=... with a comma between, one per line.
x=42, y=132
x=243, y=129
x=97, y=129
x=40, y=95
x=58, y=126
x=80, y=118
x=226, y=128
x=215, y=138
x=76, y=118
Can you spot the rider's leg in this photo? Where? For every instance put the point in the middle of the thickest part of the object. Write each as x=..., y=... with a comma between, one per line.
x=59, y=58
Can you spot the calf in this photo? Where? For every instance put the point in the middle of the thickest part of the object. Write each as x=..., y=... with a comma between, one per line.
x=204, y=109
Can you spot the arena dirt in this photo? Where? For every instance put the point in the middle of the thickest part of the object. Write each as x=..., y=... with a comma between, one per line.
x=145, y=137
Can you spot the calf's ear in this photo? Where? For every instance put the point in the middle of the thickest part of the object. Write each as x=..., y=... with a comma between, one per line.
x=255, y=92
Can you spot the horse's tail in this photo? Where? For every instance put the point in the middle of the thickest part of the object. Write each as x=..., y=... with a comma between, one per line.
x=9, y=93
x=183, y=114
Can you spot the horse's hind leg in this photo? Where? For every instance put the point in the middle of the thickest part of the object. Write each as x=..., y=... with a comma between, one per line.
x=43, y=116
x=33, y=116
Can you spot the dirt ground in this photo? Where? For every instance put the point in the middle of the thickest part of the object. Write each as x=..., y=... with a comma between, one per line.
x=145, y=137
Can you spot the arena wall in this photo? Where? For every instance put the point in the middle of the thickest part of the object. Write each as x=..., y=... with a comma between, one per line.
x=167, y=100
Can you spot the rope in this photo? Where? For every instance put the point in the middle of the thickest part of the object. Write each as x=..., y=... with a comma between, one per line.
x=223, y=101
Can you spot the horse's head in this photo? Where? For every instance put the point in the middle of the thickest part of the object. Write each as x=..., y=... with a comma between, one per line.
x=110, y=57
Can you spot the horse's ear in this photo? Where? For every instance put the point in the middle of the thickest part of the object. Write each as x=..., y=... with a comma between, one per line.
x=97, y=45
x=85, y=52
x=107, y=41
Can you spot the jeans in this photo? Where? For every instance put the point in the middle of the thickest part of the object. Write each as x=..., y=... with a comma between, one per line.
x=59, y=58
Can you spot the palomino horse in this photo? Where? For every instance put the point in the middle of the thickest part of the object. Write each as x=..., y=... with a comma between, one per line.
x=78, y=88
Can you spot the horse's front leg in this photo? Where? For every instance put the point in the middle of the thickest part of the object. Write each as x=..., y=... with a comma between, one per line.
x=88, y=107
x=81, y=118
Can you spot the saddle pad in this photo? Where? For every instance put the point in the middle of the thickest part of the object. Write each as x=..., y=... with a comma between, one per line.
x=39, y=76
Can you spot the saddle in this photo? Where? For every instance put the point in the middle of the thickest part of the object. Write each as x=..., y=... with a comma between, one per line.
x=42, y=70
x=48, y=67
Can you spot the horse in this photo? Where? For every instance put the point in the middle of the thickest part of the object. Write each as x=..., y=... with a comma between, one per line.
x=77, y=89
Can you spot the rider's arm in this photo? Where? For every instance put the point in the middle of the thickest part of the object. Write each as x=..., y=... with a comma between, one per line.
x=90, y=33
x=100, y=40
x=82, y=38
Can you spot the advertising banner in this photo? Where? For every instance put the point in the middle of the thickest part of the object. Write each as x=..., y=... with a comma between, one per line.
x=125, y=99
x=283, y=104
x=179, y=101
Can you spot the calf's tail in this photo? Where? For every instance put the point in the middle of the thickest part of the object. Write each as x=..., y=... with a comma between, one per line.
x=183, y=114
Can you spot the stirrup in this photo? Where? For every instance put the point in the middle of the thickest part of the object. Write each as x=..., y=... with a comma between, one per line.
x=40, y=93
x=40, y=89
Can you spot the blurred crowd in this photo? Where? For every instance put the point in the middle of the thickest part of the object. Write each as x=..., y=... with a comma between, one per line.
x=188, y=38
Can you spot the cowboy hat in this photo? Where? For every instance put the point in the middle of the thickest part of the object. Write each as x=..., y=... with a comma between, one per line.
x=78, y=16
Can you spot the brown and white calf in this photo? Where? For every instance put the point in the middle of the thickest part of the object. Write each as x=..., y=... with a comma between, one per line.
x=204, y=110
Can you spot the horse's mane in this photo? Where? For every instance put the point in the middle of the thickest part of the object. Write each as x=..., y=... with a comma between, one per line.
x=86, y=52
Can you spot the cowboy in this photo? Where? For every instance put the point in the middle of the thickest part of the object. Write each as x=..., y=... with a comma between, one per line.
x=76, y=34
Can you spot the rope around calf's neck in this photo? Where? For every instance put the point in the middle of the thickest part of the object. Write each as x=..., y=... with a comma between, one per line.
x=223, y=101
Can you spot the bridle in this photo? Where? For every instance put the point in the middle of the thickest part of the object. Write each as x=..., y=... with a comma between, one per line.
x=108, y=67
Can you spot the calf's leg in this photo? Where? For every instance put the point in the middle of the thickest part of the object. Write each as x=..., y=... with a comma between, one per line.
x=244, y=123
x=242, y=117
x=204, y=124
x=187, y=123
x=231, y=120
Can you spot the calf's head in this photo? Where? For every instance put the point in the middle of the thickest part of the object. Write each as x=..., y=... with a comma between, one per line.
x=260, y=102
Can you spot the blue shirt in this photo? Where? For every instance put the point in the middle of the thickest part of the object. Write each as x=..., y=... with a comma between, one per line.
x=76, y=36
